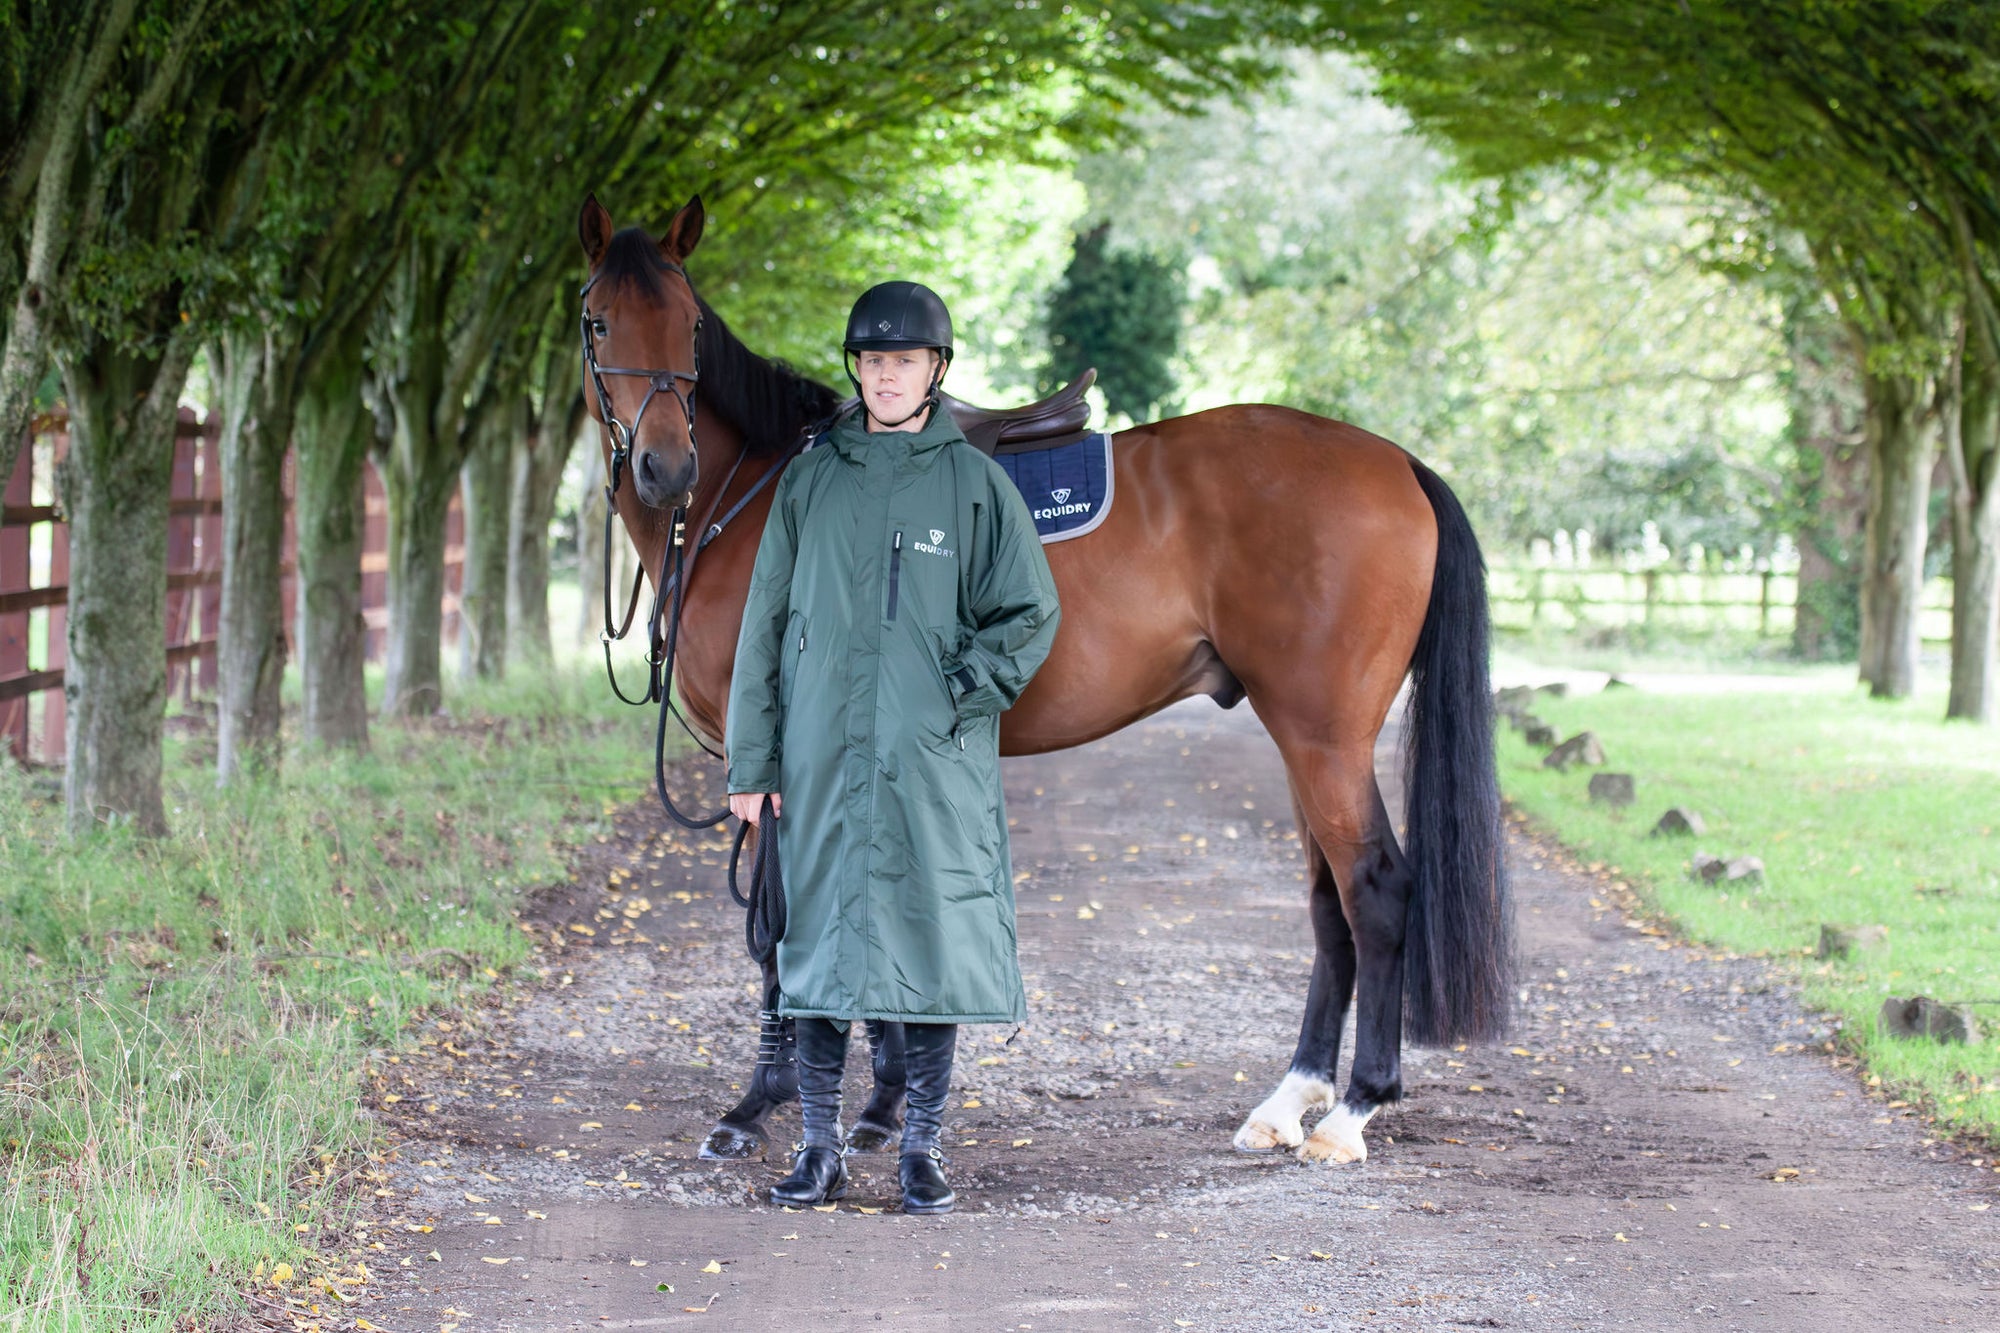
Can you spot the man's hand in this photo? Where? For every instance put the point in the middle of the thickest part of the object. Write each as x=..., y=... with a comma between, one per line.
x=748, y=806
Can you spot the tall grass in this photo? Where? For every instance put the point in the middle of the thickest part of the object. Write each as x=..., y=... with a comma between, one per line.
x=184, y=1023
x=1863, y=812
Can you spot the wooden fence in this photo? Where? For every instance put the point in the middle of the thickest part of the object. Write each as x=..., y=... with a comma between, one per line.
x=34, y=578
x=1528, y=597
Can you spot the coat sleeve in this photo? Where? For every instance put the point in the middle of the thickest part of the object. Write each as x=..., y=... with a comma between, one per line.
x=1011, y=609
x=751, y=733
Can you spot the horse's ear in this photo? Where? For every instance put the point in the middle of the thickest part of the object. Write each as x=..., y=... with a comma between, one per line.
x=684, y=232
x=593, y=228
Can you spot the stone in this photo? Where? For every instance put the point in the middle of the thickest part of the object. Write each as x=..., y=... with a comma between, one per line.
x=1708, y=869
x=1921, y=1016
x=1679, y=822
x=1555, y=689
x=1582, y=748
x=1839, y=941
x=1513, y=702
x=1619, y=683
x=1537, y=732
x=1612, y=788
x=1744, y=869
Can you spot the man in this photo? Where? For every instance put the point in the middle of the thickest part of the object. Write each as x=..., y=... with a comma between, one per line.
x=899, y=602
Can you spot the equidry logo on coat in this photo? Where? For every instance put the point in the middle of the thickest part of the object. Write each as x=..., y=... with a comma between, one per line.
x=935, y=546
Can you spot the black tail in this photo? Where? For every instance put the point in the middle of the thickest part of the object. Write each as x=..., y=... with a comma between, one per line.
x=1457, y=945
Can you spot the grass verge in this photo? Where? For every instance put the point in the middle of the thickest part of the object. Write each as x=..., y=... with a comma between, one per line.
x=1864, y=813
x=185, y=1024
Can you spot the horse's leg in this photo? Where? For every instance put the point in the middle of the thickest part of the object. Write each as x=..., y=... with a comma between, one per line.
x=881, y=1122
x=1308, y=1084
x=1334, y=789
x=1375, y=887
x=740, y=1134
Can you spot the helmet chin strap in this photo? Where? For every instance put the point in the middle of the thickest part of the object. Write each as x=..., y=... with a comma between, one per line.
x=929, y=404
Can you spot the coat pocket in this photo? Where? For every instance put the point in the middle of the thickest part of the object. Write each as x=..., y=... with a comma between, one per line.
x=798, y=632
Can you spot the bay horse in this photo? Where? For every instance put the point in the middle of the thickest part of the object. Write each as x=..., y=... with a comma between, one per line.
x=1253, y=552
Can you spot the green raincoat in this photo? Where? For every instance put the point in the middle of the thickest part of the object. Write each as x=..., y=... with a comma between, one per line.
x=900, y=601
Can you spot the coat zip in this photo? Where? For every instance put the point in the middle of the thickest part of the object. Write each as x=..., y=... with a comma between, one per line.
x=895, y=571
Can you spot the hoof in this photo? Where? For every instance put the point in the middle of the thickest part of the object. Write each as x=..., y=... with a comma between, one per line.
x=1258, y=1137
x=1274, y=1126
x=1329, y=1150
x=1337, y=1139
x=867, y=1137
x=731, y=1143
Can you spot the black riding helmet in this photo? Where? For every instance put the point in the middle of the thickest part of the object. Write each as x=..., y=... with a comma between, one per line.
x=898, y=314
x=891, y=315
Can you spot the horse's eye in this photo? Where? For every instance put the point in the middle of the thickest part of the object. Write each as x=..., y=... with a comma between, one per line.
x=597, y=327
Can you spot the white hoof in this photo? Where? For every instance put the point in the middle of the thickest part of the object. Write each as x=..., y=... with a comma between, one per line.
x=1256, y=1136
x=1337, y=1139
x=1276, y=1124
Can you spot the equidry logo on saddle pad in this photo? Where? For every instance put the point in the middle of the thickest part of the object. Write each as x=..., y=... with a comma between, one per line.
x=934, y=546
x=1062, y=505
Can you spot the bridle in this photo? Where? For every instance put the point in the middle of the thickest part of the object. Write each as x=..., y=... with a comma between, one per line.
x=669, y=583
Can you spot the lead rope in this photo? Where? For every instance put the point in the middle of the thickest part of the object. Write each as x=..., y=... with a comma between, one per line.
x=664, y=678
x=764, y=904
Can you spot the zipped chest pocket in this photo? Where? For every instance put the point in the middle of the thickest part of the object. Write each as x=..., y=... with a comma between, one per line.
x=895, y=571
x=797, y=631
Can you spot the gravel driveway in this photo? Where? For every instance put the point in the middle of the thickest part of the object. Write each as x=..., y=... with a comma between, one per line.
x=1664, y=1143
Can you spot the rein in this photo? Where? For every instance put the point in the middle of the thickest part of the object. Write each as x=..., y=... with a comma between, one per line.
x=669, y=584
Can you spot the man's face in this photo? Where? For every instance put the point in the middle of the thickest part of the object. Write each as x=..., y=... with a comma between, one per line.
x=894, y=383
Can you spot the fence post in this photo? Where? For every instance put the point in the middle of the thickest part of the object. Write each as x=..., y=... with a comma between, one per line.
x=14, y=577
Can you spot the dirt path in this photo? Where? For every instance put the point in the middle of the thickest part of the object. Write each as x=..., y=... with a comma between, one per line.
x=1612, y=1168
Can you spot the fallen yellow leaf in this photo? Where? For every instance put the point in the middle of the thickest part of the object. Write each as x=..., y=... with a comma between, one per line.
x=489, y=1259
x=282, y=1273
x=712, y=1267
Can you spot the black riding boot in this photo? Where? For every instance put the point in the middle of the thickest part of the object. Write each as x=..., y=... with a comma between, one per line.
x=927, y=1052
x=819, y=1172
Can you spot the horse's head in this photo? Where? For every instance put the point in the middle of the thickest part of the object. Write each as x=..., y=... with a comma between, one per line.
x=640, y=320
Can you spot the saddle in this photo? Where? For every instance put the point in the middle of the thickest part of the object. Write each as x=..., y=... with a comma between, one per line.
x=1061, y=418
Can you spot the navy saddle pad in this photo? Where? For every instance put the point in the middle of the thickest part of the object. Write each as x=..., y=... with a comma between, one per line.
x=1068, y=488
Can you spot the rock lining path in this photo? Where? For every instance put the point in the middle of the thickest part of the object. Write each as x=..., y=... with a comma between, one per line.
x=1663, y=1144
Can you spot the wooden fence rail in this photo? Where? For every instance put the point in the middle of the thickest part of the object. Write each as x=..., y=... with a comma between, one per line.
x=1762, y=603
x=34, y=579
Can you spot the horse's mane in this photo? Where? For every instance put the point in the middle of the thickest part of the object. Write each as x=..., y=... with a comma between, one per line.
x=767, y=401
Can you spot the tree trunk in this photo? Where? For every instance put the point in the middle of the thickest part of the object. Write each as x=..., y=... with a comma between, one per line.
x=1902, y=452
x=418, y=501
x=1830, y=480
x=250, y=647
x=71, y=90
x=1974, y=457
x=114, y=486
x=539, y=460
x=335, y=429
x=419, y=472
x=482, y=602
x=590, y=542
